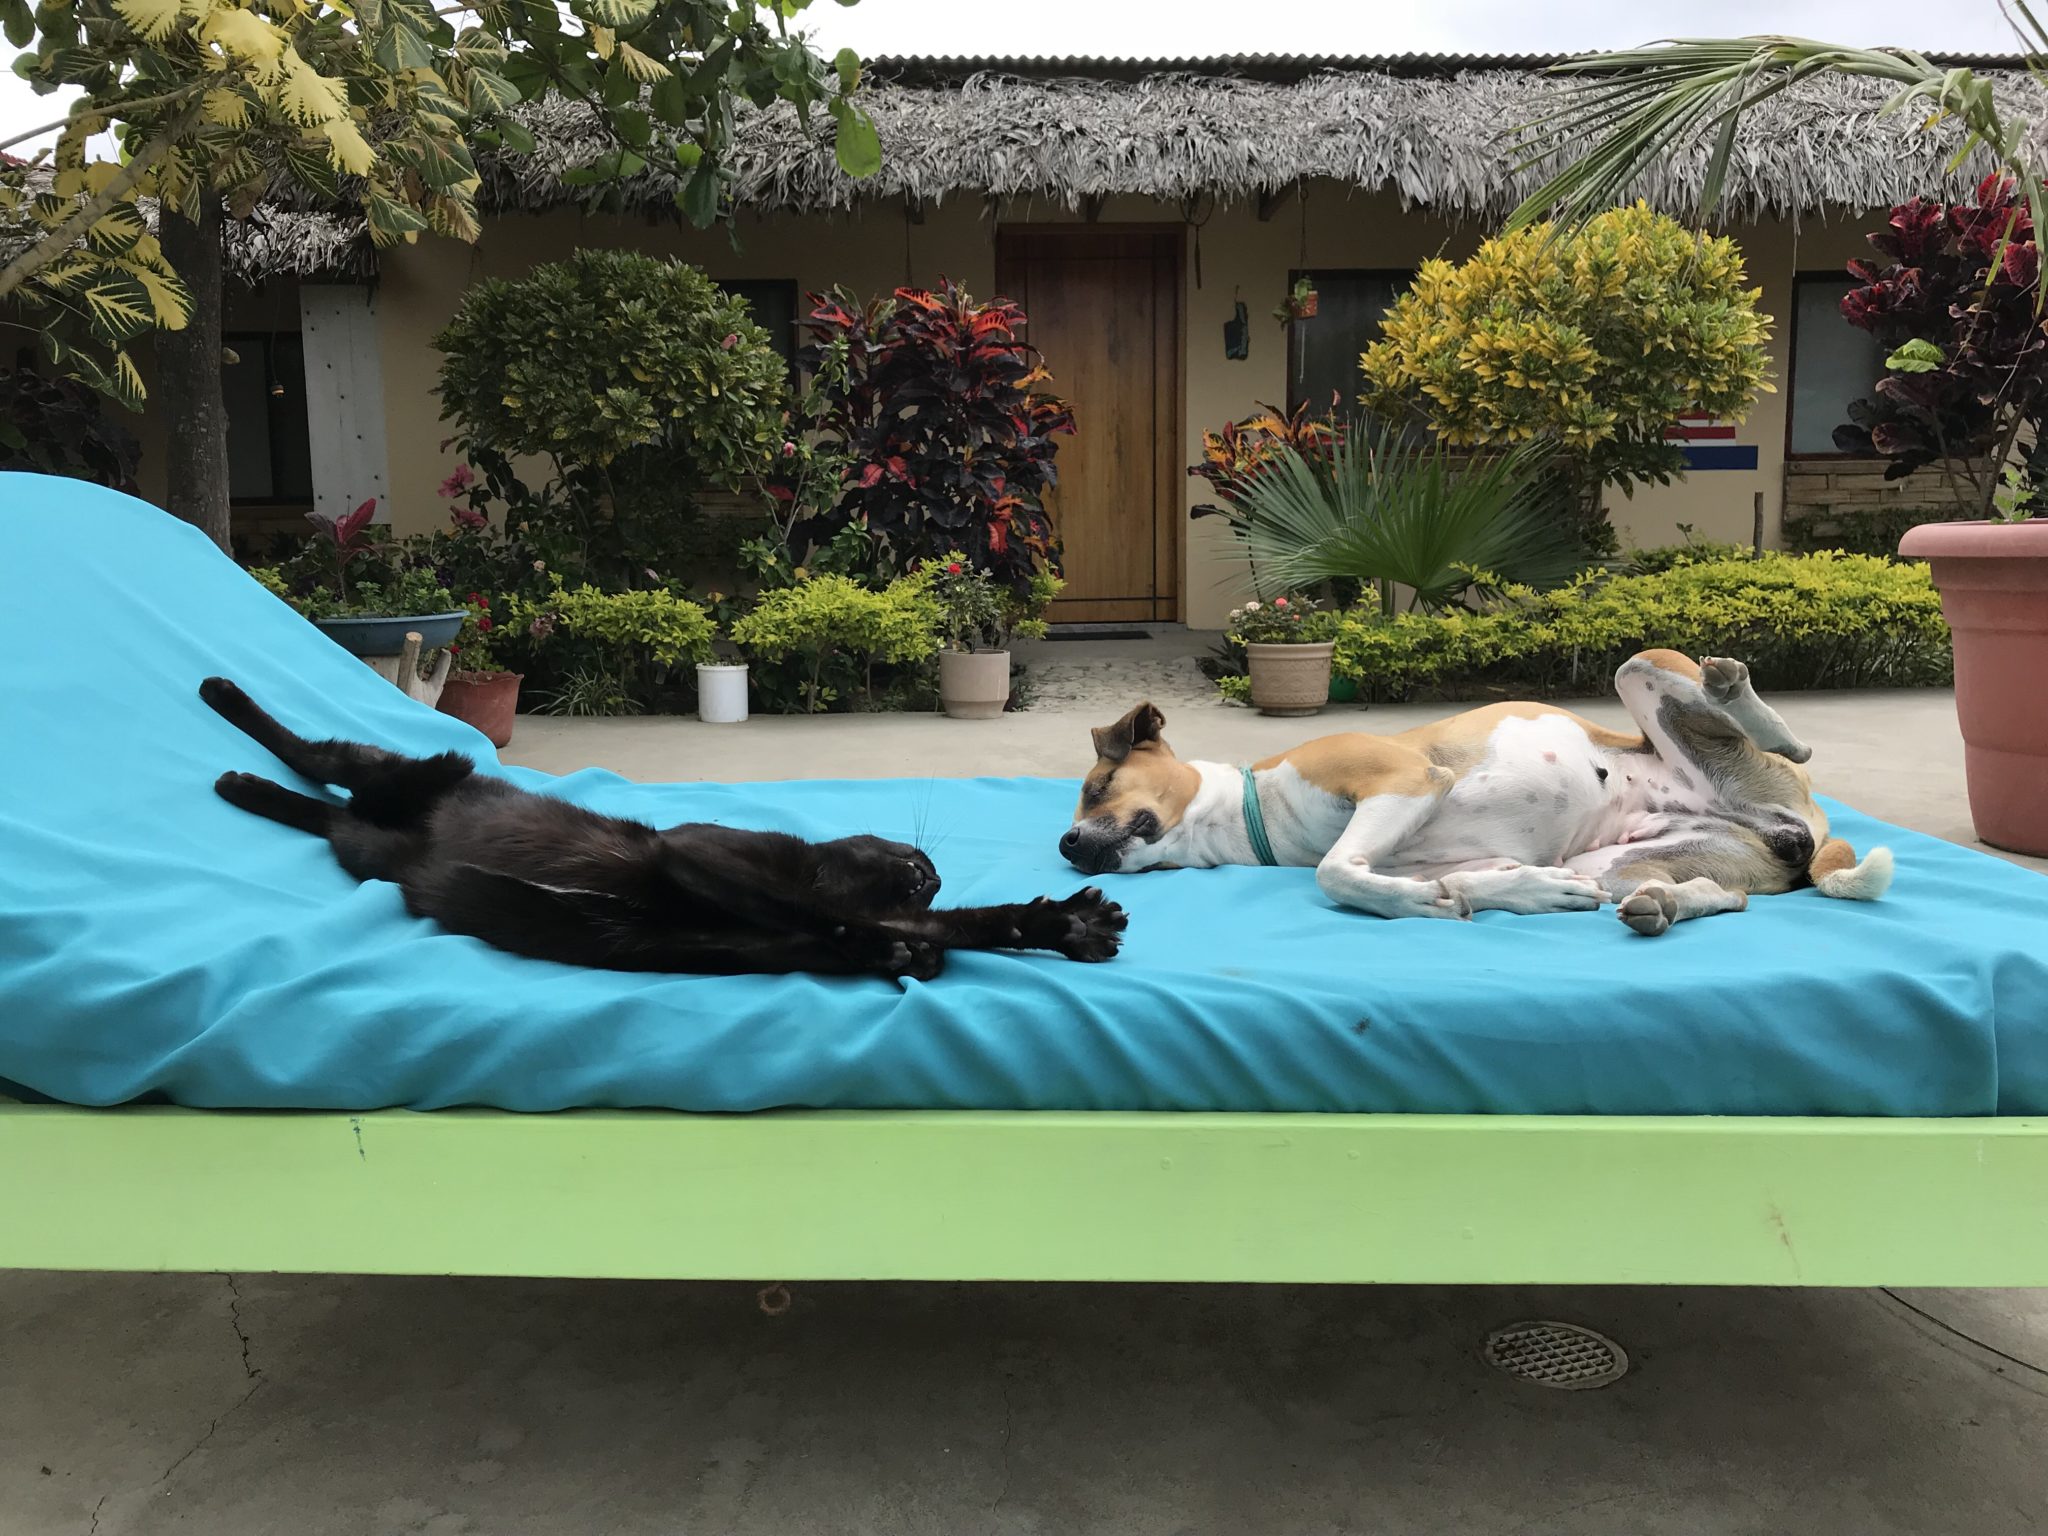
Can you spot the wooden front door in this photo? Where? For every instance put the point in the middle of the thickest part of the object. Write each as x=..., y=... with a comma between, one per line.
x=1103, y=306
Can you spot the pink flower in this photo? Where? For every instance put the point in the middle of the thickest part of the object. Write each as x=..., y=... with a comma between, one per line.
x=468, y=517
x=1279, y=602
x=732, y=339
x=463, y=478
x=789, y=450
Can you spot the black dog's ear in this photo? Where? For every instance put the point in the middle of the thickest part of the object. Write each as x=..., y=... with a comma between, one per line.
x=1141, y=725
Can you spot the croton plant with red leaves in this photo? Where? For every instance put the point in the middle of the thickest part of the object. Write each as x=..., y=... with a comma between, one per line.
x=1956, y=304
x=1234, y=458
x=949, y=441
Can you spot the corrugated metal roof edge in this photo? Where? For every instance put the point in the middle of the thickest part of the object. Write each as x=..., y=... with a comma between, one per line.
x=923, y=69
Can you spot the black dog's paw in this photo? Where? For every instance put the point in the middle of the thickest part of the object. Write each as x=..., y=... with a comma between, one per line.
x=224, y=697
x=1086, y=926
x=246, y=791
x=878, y=952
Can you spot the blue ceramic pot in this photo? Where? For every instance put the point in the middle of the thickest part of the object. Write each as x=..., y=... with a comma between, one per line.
x=386, y=637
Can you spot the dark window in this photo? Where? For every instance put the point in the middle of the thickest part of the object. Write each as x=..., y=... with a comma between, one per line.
x=773, y=301
x=270, y=457
x=1322, y=353
x=1833, y=363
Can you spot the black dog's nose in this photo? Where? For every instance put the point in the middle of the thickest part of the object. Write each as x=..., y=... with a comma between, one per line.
x=1070, y=842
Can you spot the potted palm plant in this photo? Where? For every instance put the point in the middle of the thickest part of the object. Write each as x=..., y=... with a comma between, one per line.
x=478, y=689
x=1288, y=645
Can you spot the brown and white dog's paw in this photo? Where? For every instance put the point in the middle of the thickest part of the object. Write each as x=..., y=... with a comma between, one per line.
x=1723, y=677
x=1535, y=888
x=1650, y=908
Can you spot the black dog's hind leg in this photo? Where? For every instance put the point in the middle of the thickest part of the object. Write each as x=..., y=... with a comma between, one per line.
x=387, y=787
x=274, y=802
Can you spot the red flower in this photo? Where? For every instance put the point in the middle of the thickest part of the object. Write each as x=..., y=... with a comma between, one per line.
x=953, y=568
x=483, y=621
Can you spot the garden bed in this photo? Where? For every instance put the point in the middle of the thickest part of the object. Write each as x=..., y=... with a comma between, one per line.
x=1825, y=620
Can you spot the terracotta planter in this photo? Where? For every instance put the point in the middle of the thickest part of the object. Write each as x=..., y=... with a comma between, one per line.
x=1290, y=679
x=974, y=685
x=487, y=700
x=1994, y=592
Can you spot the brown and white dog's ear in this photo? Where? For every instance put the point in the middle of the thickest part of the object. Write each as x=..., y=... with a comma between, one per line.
x=1141, y=725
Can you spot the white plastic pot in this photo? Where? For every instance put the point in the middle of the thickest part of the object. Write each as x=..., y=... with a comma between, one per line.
x=722, y=692
x=974, y=685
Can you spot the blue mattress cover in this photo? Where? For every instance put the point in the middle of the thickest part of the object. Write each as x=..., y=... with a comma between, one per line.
x=157, y=944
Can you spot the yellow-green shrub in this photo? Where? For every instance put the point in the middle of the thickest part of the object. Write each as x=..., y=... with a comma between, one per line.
x=1597, y=339
x=1800, y=621
x=655, y=623
x=831, y=632
x=613, y=650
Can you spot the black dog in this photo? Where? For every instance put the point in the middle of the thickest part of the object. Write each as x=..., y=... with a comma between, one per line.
x=541, y=877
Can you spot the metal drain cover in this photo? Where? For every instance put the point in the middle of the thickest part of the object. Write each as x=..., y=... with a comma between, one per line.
x=1560, y=1355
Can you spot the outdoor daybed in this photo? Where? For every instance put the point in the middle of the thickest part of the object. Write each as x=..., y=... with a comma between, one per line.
x=220, y=1053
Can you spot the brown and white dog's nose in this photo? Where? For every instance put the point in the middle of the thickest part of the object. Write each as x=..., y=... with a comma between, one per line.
x=1092, y=848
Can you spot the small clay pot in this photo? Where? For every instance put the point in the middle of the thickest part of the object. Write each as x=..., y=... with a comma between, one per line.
x=974, y=685
x=487, y=700
x=1290, y=679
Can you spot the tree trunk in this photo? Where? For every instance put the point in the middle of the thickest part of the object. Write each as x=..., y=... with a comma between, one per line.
x=188, y=377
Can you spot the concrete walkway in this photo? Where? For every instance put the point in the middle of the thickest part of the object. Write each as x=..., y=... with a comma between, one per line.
x=255, y=1405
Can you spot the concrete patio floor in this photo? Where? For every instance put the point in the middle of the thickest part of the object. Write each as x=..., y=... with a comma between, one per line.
x=332, y=1406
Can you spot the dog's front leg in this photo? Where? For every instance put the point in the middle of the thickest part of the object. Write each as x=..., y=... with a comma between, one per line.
x=1501, y=886
x=1378, y=828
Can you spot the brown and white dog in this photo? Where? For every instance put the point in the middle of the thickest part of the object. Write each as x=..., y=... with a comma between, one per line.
x=1512, y=807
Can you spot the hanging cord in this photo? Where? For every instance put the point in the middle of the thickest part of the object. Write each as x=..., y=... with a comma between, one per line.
x=1188, y=205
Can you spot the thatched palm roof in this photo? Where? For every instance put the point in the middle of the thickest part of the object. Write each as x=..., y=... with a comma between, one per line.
x=1431, y=130
x=274, y=241
x=319, y=247
x=1435, y=139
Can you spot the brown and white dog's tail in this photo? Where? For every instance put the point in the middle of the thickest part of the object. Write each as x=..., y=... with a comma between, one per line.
x=1835, y=870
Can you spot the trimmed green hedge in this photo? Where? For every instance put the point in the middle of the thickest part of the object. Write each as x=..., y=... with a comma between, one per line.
x=1801, y=621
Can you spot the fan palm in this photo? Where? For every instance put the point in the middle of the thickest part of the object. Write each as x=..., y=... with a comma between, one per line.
x=1374, y=507
x=1637, y=105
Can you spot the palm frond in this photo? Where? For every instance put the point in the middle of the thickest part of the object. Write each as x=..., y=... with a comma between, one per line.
x=1638, y=107
x=1378, y=508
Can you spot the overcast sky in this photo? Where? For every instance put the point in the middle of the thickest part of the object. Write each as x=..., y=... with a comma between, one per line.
x=1179, y=28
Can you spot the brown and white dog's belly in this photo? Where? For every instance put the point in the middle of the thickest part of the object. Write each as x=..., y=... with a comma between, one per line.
x=1538, y=793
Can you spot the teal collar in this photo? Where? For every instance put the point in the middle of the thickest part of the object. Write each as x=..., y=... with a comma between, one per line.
x=1255, y=820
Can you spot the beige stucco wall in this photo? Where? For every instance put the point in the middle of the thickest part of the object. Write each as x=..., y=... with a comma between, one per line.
x=1238, y=256
x=1720, y=504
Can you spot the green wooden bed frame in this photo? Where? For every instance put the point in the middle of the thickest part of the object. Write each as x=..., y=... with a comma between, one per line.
x=943, y=1195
